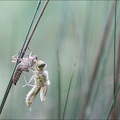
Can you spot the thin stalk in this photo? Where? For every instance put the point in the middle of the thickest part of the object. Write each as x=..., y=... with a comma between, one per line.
x=10, y=83
x=113, y=102
x=112, y=114
x=115, y=83
x=21, y=56
x=94, y=73
x=59, y=86
x=103, y=66
x=101, y=73
x=38, y=5
x=117, y=109
x=62, y=32
x=35, y=26
x=68, y=92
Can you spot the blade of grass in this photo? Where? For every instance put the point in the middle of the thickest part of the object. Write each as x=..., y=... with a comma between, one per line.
x=117, y=109
x=59, y=86
x=81, y=53
x=112, y=114
x=103, y=66
x=113, y=102
x=94, y=73
x=68, y=92
x=101, y=73
x=62, y=32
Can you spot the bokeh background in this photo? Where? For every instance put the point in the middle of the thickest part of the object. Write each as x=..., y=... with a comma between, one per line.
x=68, y=33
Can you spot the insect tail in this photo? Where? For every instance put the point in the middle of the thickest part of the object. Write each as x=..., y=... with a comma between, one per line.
x=31, y=95
x=16, y=76
x=20, y=67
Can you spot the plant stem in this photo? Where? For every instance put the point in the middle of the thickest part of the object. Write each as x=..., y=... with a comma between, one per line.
x=112, y=114
x=113, y=102
x=94, y=73
x=38, y=5
x=68, y=92
x=21, y=56
x=59, y=86
x=35, y=26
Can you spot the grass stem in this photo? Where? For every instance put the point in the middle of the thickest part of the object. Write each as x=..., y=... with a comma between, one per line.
x=68, y=92
x=94, y=73
x=25, y=46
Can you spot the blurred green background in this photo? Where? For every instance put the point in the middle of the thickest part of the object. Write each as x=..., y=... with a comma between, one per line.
x=74, y=29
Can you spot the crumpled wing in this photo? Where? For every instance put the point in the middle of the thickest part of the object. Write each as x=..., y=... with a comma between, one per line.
x=47, y=77
x=43, y=92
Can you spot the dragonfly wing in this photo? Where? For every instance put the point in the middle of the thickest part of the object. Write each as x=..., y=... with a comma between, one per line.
x=43, y=92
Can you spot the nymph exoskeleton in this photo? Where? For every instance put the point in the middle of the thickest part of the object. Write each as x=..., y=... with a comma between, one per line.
x=41, y=83
x=24, y=64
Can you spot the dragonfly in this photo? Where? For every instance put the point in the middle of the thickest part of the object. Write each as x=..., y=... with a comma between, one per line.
x=41, y=83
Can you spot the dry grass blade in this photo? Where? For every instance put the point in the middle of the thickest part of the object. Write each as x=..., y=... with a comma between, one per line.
x=116, y=74
x=100, y=52
x=113, y=102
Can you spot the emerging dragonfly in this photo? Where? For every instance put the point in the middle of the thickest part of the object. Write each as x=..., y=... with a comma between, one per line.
x=24, y=64
x=41, y=83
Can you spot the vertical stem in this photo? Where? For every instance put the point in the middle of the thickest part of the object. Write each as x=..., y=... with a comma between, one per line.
x=113, y=102
x=59, y=85
x=68, y=92
x=117, y=80
x=112, y=114
x=100, y=52
x=62, y=31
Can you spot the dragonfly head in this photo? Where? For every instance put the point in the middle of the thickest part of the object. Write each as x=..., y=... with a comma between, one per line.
x=41, y=64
